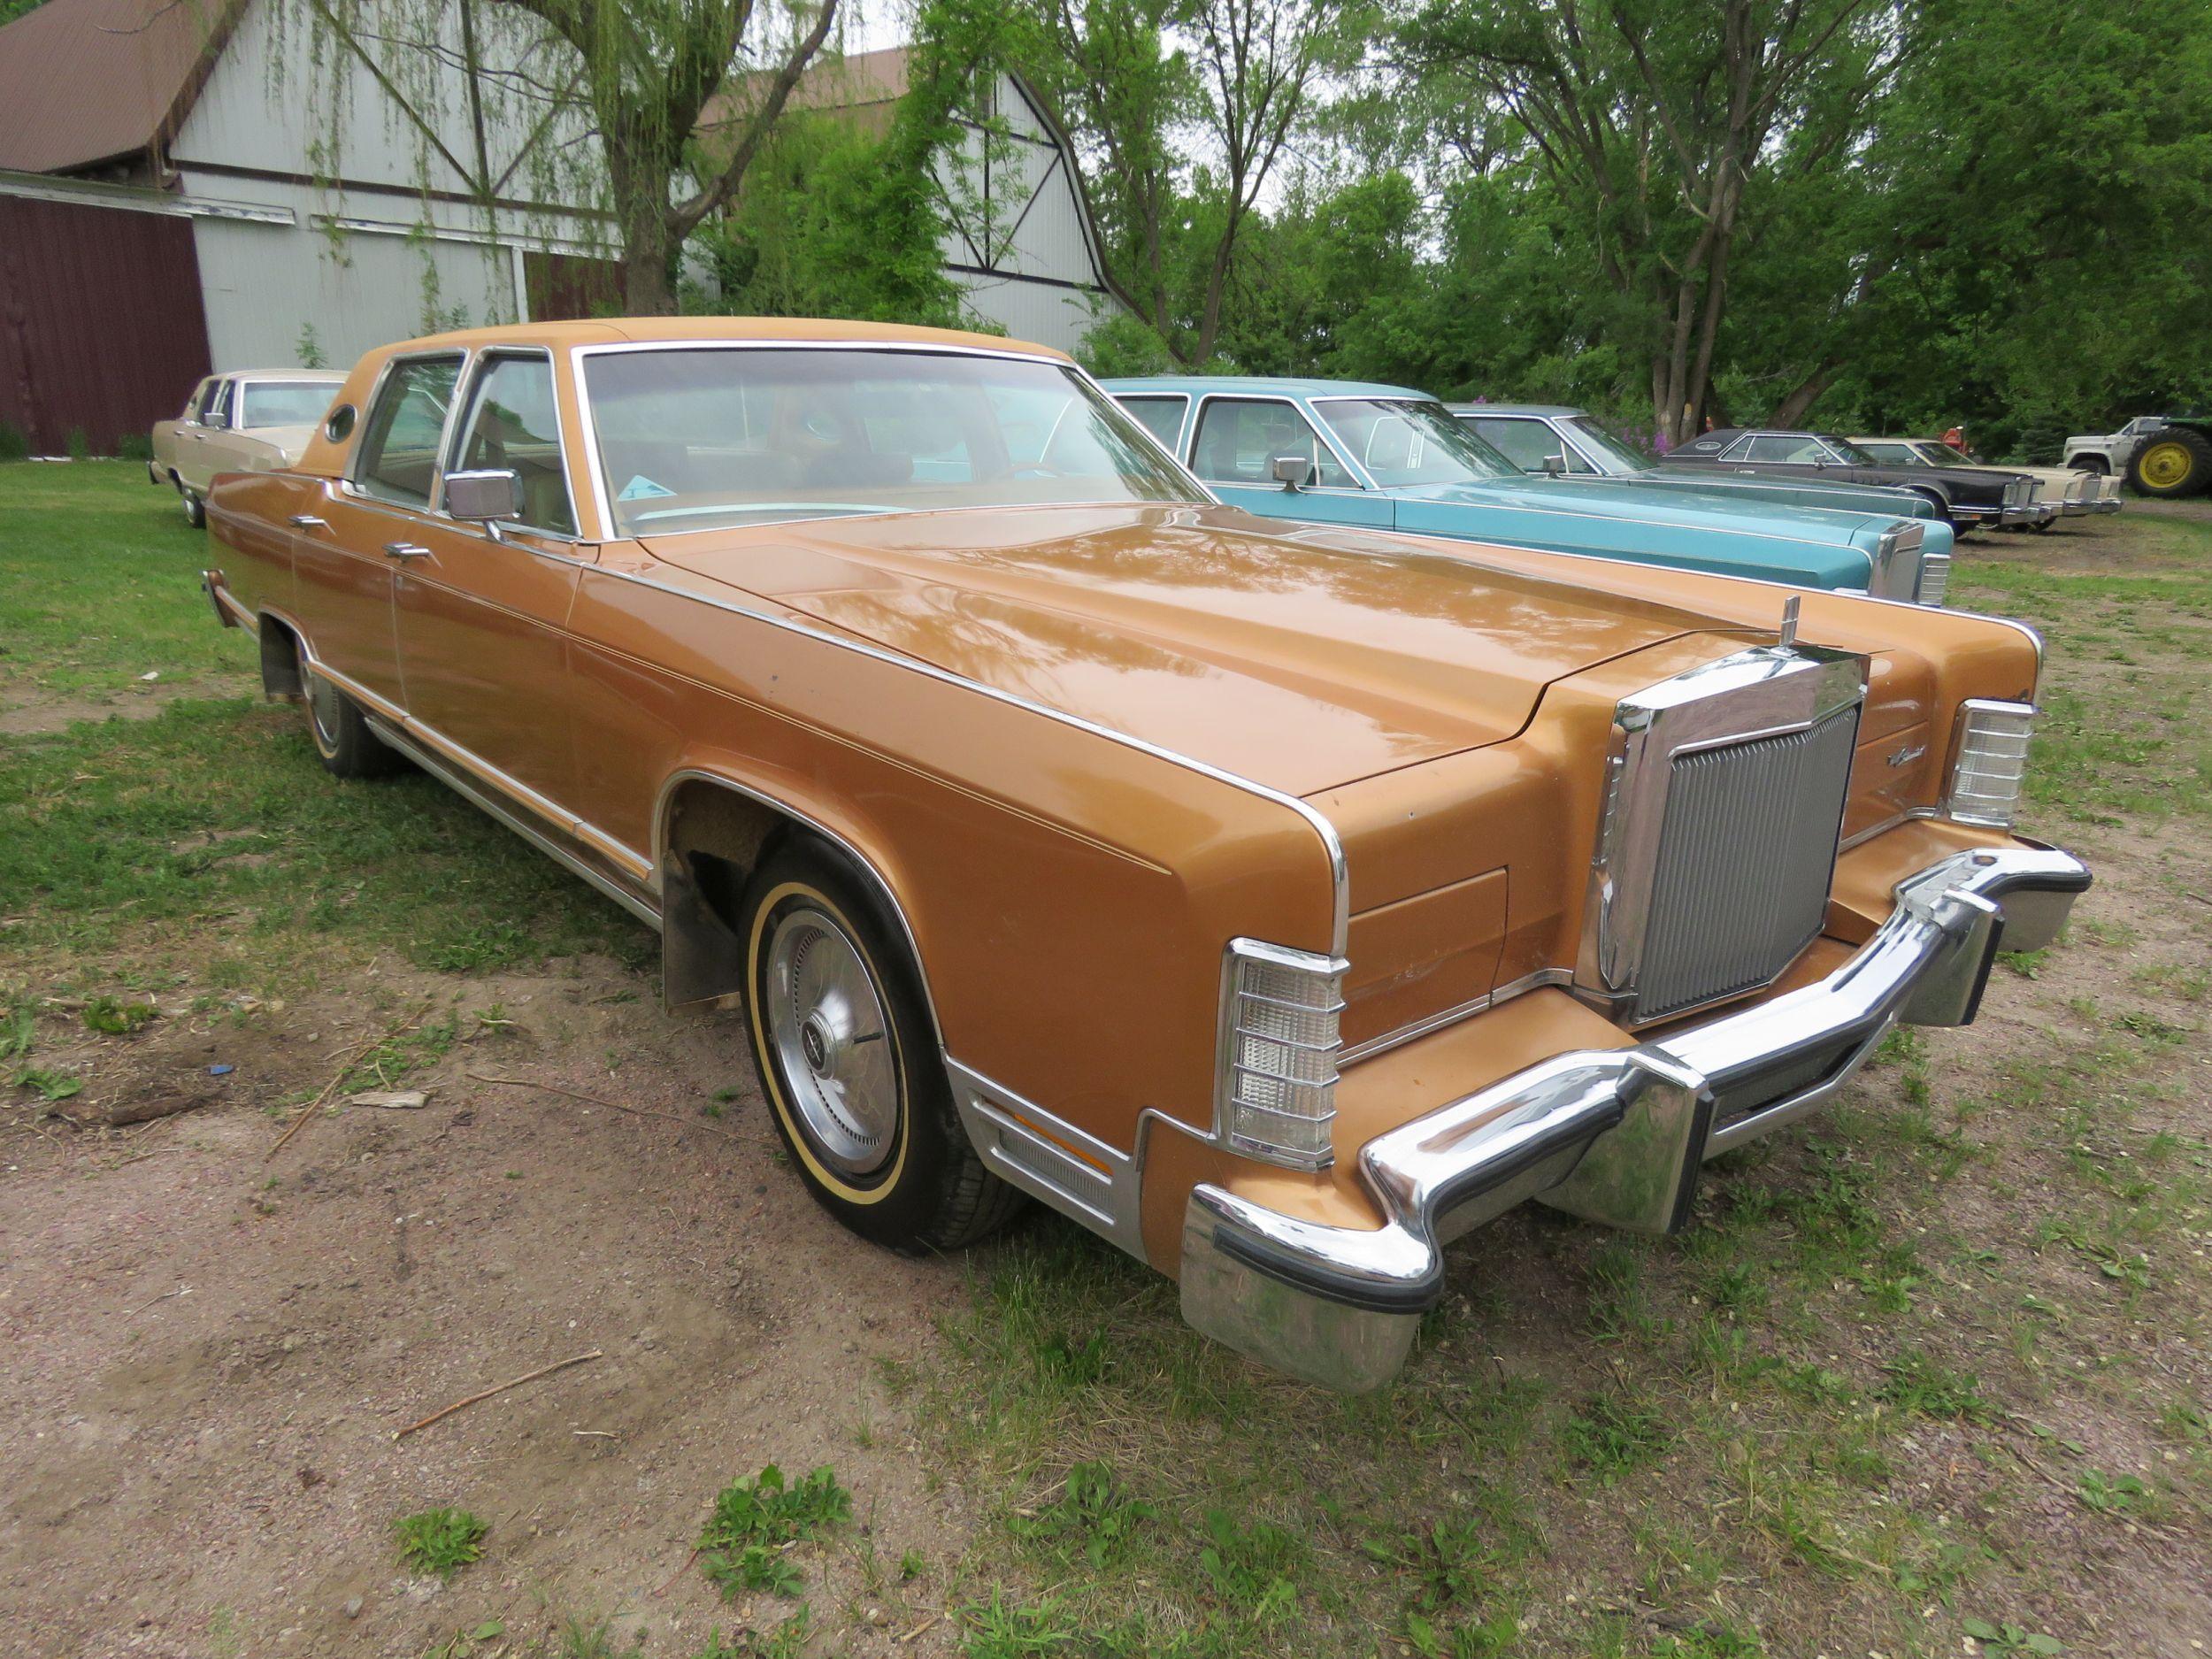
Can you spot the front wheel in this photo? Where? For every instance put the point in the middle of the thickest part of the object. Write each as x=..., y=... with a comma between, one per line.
x=2173, y=462
x=848, y=1062
x=343, y=742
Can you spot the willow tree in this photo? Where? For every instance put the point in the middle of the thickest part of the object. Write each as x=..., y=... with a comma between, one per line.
x=647, y=69
x=608, y=95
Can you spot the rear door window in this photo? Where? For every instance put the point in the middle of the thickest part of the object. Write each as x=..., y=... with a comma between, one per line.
x=1780, y=448
x=399, y=458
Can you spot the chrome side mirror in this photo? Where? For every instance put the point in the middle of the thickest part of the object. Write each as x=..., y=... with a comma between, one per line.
x=1292, y=471
x=1556, y=466
x=484, y=497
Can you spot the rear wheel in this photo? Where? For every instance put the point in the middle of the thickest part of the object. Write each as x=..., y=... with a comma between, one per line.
x=848, y=1062
x=343, y=741
x=2173, y=461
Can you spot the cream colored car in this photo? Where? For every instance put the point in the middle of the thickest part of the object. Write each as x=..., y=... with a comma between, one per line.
x=2073, y=490
x=250, y=420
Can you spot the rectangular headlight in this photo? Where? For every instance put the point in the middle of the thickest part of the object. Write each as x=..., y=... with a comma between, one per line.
x=1275, y=1091
x=1989, y=762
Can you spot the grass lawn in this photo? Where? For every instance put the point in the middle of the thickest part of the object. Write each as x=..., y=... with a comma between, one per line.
x=1927, y=1376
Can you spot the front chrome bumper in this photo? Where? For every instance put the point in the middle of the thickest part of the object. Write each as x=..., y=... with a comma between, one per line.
x=1614, y=1135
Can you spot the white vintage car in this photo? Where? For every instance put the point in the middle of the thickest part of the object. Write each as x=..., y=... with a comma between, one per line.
x=249, y=421
x=2110, y=455
x=2073, y=490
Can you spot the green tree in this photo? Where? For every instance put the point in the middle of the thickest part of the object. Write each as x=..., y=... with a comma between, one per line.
x=1662, y=121
x=837, y=219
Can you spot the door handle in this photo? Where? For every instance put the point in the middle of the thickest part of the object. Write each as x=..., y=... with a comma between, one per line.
x=309, y=521
x=405, y=550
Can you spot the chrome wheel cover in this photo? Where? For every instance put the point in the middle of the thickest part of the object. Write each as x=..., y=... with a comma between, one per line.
x=322, y=705
x=831, y=1035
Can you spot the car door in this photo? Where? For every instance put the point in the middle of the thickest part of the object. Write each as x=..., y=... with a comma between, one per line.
x=1234, y=443
x=352, y=538
x=483, y=609
x=224, y=447
x=171, y=436
x=196, y=461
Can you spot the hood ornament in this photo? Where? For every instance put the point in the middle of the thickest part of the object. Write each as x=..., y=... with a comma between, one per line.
x=1788, y=636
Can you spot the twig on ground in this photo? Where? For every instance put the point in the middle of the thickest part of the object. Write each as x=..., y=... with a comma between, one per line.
x=597, y=1100
x=353, y=1055
x=542, y=1370
x=680, y=1572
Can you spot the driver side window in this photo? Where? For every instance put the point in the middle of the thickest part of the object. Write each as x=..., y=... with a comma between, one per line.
x=1525, y=443
x=1238, y=439
x=511, y=427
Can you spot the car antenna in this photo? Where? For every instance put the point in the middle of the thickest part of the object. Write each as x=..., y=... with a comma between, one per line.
x=1788, y=636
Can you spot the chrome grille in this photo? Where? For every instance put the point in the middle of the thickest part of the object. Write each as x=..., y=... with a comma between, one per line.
x=1935, y=578
x=1742, y=882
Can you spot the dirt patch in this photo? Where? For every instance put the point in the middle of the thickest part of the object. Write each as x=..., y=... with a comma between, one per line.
x=209, y=1352
x=2099, y=544
x=25, y=715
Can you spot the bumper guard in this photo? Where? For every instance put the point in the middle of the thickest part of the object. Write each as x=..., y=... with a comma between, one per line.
x=1614, y=1135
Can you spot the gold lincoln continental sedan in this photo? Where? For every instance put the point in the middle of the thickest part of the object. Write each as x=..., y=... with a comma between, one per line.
x=1280, y=901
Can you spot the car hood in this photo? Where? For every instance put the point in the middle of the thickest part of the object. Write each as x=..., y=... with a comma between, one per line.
x=1298, y=657
x=1625, y=498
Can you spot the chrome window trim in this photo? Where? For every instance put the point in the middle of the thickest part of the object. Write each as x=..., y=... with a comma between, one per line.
x=465, y=407
x=350, y=480
x=588, y=430
x=1770, y=690
x=1361, y=482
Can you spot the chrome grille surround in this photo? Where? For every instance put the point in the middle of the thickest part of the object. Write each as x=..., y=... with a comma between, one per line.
x=1716, y=845
x=1897, y=562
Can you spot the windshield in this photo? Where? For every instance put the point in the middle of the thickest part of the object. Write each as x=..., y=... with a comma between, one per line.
x=286, y=403
x=704, y=437
x=1606, y=443
x=1403, y=440
x=1848, y=450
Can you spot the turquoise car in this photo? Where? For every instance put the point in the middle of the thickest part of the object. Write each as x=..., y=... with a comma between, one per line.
x=1386, y=458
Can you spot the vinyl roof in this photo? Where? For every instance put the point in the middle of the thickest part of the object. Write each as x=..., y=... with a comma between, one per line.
x=84, y=81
